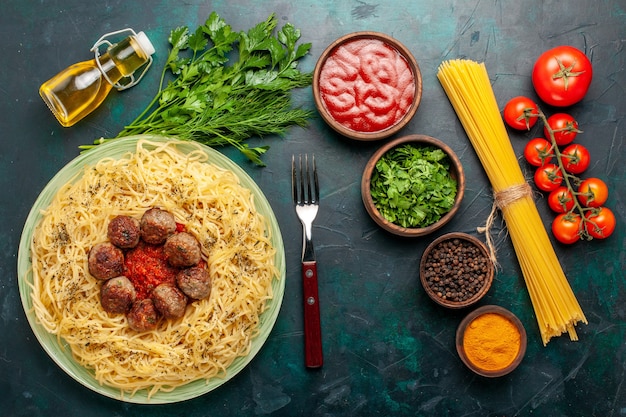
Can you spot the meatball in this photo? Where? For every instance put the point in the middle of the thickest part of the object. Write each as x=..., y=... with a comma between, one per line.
x=105, y=261
x=169, y=301
x=182, y=250
x=124, y=232
x=157, y=225
x=143, y=316
x=117, y=295
x=195, y=282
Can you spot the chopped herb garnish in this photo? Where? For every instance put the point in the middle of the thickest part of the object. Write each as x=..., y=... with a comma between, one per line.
x=411, y=185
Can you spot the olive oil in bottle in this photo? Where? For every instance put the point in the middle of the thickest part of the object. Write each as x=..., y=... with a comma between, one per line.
x=81, y=88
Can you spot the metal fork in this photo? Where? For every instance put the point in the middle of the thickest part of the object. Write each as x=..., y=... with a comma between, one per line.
x=306, y=198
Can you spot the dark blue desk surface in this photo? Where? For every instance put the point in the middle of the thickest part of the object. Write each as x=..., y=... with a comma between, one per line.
x=389, y=350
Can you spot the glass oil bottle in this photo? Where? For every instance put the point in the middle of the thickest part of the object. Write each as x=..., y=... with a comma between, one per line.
x=81, y=88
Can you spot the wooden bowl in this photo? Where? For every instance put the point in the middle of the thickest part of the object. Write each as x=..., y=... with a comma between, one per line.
x=496, y=345
x=456, y=172
x=463, y=292
x=364, y=93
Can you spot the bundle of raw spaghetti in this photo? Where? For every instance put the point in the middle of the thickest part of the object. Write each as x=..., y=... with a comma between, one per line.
x=469, y=89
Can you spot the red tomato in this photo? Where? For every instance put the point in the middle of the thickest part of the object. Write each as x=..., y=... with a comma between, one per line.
x=601, y=222
x=564, y=128
x=520, y=113
x=538, y=152
x=561, y=200
x=562, y=75
x=548, y=177
x=575, y=159
x=566, y=228
x=593, y=192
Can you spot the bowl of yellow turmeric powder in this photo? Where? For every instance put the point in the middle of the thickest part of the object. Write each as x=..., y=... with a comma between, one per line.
x=491, y=341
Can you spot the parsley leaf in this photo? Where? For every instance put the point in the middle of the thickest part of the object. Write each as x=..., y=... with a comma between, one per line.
x=411, y=185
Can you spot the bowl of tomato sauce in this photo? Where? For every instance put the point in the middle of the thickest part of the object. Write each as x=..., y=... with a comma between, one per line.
x=367, y=85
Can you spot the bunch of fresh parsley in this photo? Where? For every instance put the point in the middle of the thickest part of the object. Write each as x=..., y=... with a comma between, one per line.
x=411, y=185
x=213, y=101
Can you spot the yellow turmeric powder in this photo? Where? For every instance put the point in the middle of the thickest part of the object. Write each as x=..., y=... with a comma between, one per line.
x=491, y=342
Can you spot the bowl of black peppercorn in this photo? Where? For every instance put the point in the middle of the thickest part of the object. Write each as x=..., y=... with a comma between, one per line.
x=456, y=270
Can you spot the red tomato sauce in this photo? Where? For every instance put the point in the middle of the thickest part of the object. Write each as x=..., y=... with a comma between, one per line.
x=146, y=267
x=367, y=85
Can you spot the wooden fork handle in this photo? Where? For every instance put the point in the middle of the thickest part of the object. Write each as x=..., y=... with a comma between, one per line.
x=314, y=357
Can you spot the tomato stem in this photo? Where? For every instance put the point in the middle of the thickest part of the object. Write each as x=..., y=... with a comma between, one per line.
x=527, y=114
x=566, y=72
x=577, y=209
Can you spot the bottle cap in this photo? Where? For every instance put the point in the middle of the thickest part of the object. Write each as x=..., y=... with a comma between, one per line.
x=145, y=43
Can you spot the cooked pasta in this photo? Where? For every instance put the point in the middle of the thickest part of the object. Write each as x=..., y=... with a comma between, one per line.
x=215, y=208
x=468, y=87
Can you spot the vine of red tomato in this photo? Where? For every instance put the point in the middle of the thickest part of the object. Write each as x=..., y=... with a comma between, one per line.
x=561, y=77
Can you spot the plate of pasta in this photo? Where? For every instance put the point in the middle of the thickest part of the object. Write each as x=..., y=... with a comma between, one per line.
x=240, y=239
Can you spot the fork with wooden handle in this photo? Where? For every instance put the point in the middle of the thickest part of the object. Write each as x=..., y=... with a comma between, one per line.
x=305, y=191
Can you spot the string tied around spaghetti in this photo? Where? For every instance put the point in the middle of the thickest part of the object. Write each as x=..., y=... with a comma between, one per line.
x=502, y=199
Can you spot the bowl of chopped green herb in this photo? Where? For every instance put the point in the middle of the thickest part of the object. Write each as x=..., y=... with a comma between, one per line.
x=413, y=185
